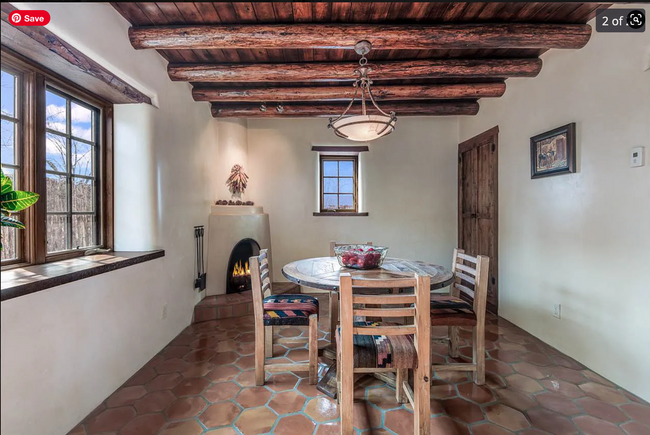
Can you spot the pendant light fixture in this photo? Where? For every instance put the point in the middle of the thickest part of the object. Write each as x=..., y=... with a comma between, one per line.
x=364, y=127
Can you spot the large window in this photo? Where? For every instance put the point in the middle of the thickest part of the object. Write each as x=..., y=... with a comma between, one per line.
x=54, y=142
x=338, y=183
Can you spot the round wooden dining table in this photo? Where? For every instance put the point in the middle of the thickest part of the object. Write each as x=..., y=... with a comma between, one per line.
x=323, y=273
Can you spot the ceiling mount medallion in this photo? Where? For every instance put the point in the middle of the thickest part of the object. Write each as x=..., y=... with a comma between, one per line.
x=364, y=127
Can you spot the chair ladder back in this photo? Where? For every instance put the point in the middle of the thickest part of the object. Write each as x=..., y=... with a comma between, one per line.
x=481, y=287
x=333, y=245
x=260, y=281
x=464, y=275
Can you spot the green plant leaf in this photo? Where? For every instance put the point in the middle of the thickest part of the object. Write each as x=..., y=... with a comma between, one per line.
x=11, y=222
x=18, y=200
x=6, y=184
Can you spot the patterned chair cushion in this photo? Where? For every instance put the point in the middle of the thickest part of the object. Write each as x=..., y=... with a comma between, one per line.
x=382, y=351
x=451, y=311
x=289, y=309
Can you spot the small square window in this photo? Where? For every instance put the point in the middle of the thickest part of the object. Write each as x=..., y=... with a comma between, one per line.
x=339, y=189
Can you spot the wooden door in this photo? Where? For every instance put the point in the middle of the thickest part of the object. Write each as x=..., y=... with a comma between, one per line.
x=478, y=204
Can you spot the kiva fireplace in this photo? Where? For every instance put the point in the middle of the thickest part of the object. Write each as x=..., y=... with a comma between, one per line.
x=238, y=277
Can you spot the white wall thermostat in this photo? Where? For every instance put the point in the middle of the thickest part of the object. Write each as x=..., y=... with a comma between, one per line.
x=636, y=157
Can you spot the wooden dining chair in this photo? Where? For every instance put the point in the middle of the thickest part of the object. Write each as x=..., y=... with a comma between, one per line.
x=280, y=310
x=454, y=311
x=372, y=347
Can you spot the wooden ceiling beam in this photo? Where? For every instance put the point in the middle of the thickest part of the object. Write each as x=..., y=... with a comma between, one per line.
x=293, y=110
x=345, y=93
x=344, y=71
x=345, y=36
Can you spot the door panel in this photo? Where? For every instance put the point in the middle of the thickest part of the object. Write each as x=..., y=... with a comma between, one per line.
x=478, y=203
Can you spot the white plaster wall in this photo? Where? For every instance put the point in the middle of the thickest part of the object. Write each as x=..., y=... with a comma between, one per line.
x=408, y=183
x=579, y=240
x=64, y=350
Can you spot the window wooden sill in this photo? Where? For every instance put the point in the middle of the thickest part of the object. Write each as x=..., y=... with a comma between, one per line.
x=22, y=281
x=340, y=213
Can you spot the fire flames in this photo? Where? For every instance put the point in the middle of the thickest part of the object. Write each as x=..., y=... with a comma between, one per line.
x=241, y=271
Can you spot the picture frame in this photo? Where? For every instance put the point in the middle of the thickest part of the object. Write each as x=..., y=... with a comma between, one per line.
x=553, y=152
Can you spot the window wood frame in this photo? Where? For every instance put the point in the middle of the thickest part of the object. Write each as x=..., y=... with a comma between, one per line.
x=33, y=178
x=355, y=190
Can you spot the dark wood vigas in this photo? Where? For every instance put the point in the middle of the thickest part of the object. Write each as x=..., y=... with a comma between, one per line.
x=323, y=273
x=478, y=211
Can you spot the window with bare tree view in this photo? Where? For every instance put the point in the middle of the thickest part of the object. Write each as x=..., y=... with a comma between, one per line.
x=54, y=143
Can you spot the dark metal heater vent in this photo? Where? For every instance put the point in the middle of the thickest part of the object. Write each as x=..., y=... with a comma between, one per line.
x=199, y=282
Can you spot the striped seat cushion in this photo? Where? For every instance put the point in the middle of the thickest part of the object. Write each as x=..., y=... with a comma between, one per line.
x=382, y=351
x=451, y=311
x=289, y=309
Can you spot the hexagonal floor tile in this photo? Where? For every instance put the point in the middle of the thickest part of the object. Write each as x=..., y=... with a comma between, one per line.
x=463, y=410
x=321, y=409
x=190, y=427
x=601, y=392
x=294, y=424
x=199, y=355
x=558, y=403
x=399, y=421
x=126, y=396
x=563, y=387
x=489, y=429
x=148, y=424
x=253, y=397
x=154, y=402
x=287, y=402
x=221, y=392
x=164, y=382
x=531, y=370
x=171, y=365
x=595, y=426
x=256, y=421
x=507, y=417
x=185, y=407
x=224, y=358
x=383, y=398
x=223, y=373
x=282, y=381
x=475, y=393
x=110, y=420
x=197, y=370
x=638, y=412
x=221, y=414
x=551, y=422
x=191, y=387
x=523, y=383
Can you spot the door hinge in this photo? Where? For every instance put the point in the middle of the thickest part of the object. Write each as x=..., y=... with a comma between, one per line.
x=494, y=147
x=494, y=281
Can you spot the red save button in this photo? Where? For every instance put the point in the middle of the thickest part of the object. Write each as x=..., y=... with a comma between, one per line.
x=29, y=18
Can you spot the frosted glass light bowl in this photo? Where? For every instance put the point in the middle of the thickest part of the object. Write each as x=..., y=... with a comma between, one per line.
x=361, y=257
x=363, y=128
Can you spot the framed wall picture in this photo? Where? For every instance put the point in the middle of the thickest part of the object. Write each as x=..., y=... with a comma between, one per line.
x=553, y=152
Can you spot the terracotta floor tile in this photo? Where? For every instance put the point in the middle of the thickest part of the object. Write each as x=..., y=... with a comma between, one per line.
x=141, y=377
x=287, y=402
x=597, y=378
x=221, y=431
x=531, y=370
x=78, y=430
x=164, y=382
x=182, y=428
x=256, y=421
x=602, y=410
x=126, y=396
x=253, y=397
x=638, y=412
x=563, y=387
x=563, y=360
x=551, y=422
x=154, y=402
x=445, y=425
x=329, y=429
x=569, y=375
x=110, y=420
x=489, y=429
x=507, y=417
x=322, y=409
x=247, y=362
x=558, y=403
x=475, y=393
x=171, y=352
x=171, y=365
x=282, y=381
x=185, y=407
x=594, y=426
x=191, y=387
x=224, y=358
x=506, y=356
x=149, y=424
x=221, y=392
x=536, y=358
x=199, y=355
x=223, y=373
x=383, y=398
x=443, y=391
x=221, y=414
x=523, y=383
x=516, y=399
x=204, y=342
x=463, y=410
x=246, y=379
x=198, y=369
x=601, y=392
x=295, y=424
x=399, y=421
x=308, y=390
x=635, y=428
x=498, y=367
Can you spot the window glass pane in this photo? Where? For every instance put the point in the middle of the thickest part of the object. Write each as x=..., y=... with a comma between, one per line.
x=8, y=96
x=55, y=152
x=11, y=173
x=55, y=112
x=56, y=193
x=346, y=185
x=57, y=233
x=82, y=158
x=82, y=120
x=9, y=243
x=346, y=202
x=83, y=231
x=330, y=185
x=8, y=143
x=82, y=194
x=330, y=202
x=330, y=168
x=346, y=168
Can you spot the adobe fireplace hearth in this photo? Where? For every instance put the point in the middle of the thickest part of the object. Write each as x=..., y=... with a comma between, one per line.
x=238, y=277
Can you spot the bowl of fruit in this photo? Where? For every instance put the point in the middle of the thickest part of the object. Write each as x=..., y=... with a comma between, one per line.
x=360, y=256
